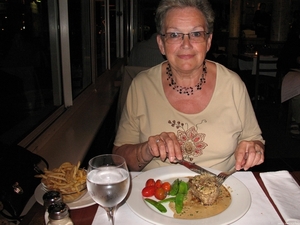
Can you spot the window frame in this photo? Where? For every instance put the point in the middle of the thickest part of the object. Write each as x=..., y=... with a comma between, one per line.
x=59, y=38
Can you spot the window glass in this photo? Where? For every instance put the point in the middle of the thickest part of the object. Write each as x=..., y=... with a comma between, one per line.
x=106, y=38
x=113, y=30
x=30, y=59
x=80, y=44
x=26, y=88
x=100, y=37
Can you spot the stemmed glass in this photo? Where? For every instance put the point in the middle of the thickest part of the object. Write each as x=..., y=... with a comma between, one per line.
x=108, y=181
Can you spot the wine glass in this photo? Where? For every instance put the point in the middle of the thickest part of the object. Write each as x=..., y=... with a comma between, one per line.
x=108, y=181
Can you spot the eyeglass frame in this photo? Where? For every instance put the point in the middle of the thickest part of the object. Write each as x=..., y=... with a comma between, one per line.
x=188, y=34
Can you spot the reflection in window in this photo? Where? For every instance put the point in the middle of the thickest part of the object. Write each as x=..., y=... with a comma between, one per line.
x=26, y=96
x=113, y=34
x=100, y=37
x=80, y=50
x=106, y=28
x=34, y=82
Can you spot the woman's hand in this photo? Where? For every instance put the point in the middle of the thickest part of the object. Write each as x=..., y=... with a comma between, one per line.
x=164, y=145
x=249, y=154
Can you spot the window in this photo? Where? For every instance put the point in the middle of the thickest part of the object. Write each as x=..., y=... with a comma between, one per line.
x=108, y=33
x=100, y=37
x=80, y=44
x=46, y=59
x=27, y=93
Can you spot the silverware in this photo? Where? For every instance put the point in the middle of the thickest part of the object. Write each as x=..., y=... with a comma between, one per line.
x=224, y=175
x=221, y=177
x=193, y=167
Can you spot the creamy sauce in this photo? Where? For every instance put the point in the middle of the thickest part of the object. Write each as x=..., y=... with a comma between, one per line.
x=193, y=209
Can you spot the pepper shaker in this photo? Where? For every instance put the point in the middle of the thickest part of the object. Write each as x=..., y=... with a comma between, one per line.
x=59, y=214
x=49, y=198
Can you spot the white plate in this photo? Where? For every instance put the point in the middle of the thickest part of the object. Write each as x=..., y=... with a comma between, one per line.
x=85, y=201
x=240, y=195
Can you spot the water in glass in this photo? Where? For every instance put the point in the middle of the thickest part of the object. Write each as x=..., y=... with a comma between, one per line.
x=108, y=181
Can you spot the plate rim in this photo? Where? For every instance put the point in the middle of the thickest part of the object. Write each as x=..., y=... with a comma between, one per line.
x=72, y=205
x=135, y=198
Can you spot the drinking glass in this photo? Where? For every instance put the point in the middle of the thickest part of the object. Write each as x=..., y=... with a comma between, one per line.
x=108, y=181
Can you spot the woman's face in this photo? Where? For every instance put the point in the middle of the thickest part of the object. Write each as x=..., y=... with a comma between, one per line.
x=184, y=56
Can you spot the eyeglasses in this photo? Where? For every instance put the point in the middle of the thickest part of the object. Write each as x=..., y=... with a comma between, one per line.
x=194, y=37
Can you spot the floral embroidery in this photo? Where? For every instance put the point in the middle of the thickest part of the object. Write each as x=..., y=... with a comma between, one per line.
x=191, y=142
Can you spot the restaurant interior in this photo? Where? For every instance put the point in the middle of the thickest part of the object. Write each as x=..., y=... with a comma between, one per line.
x=60, y=91
x=282, y=148
x=28, y=103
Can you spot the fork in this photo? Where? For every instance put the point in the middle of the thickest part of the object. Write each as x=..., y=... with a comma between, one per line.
x=221, y=177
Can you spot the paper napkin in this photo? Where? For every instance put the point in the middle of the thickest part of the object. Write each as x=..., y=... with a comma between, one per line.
x=285, y=192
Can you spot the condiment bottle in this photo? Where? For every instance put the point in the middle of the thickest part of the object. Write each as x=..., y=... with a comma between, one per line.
x=59, y=214
x=49, y=198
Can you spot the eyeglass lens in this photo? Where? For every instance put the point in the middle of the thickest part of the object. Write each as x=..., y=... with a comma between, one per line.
x=199, y=36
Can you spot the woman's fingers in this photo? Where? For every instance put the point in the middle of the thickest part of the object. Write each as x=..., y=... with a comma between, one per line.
x=248, y=154
x=165, y=146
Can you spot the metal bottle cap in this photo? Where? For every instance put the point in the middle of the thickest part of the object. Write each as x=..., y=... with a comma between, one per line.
x=51, y=197
x=58, y=211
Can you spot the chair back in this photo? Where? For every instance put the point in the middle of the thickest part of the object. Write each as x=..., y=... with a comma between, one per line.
x=266, y=66
x=129, y=73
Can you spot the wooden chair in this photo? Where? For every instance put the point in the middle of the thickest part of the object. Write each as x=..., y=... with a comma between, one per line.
x=266, y=74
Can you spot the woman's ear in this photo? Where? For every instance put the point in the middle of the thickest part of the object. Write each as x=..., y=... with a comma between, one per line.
x=160, y=44
x=208, y=43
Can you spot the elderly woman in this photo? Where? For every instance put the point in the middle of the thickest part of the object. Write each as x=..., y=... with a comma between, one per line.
x=188, y=107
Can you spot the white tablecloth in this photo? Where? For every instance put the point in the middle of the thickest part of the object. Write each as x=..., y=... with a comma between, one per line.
x=261, y=211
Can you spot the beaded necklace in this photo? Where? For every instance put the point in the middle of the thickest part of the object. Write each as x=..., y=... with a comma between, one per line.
x=186, y=90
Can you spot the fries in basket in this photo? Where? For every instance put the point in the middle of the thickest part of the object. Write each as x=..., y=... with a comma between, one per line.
x=68, y=179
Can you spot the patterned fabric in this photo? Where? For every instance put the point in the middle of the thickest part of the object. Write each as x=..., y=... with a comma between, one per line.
x=208, y=138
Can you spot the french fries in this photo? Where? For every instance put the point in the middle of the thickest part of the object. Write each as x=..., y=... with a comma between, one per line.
x=68, y=179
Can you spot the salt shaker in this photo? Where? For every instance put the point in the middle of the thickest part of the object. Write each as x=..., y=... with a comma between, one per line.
x=49, y=198
x=59, y=214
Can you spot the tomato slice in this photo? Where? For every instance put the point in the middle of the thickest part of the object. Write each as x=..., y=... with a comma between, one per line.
x=150, y=182
x=160, y=193
x=148, y=191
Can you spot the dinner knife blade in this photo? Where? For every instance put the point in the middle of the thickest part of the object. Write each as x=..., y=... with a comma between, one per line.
x=193, y=167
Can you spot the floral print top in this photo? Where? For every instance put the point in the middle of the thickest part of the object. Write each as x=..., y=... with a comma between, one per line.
x=208, y=138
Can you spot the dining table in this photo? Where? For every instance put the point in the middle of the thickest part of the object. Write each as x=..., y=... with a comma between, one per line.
x=260, y=196
x=248, y=62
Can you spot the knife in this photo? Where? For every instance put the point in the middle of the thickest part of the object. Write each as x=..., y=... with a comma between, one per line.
x=193, y=167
